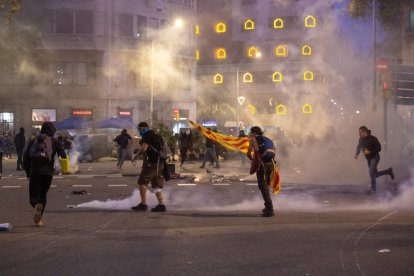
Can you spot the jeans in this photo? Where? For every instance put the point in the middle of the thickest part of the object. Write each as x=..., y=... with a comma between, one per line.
x=121, y=157
x=210, y=153
x=183, y=153
x=39, y=185
x=373, y=171
x=19, y=159
x=263, y=181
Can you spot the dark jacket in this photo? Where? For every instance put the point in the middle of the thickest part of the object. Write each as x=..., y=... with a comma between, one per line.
x=32, y=168
x=122, y=140
x=209, y=143
x=370, y=143
x=185, y=140
x=20, y=140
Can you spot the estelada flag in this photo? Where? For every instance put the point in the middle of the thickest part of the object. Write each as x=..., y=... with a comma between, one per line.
x=239, y=144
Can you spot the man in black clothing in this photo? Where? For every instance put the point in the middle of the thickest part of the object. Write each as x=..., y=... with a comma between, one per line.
x=40, y=174
x=210, y=153
x=185, y=143
x=371, y=147
x=19, y=143
x=122, y=141
x=152, y=168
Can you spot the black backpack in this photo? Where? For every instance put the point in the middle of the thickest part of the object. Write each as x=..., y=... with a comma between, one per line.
x=164, y=149
x=41, y=150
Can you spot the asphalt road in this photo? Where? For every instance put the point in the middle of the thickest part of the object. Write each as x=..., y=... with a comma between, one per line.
x=209, y=229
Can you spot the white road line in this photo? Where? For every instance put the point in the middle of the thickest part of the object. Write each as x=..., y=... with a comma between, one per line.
x=186, y=184
x=114, y=176
x=22, y=178
x=85, y=176
x=251, y=184
x=221, y=184
x=82, y=185
x=53, y=186
x=58, y=177
x=10, y=187
x=117, y=185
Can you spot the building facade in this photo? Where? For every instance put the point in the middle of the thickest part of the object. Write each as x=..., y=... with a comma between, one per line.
x=98, y=59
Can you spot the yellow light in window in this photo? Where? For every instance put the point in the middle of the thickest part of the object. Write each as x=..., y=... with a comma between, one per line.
x=197, y=29
x=221, y=53
x=281, y=51
x=281, y=109
x=218, y=78
x=307, y=109
x=306, y=50
x=252, y=52
x=278, y=23
x=308, y=76
x=310, y=21
x=249, y=24
x=277, y=77
x=220, y=27
x=247, y=77
x=197, y=54
x=252, y=110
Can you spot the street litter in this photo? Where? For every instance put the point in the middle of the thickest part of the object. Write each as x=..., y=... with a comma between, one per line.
x=71, y=206
x=384, y=251
x=5, y=227
x=79, y=192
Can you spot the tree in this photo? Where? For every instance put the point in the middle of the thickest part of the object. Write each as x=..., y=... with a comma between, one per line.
x=9, y=7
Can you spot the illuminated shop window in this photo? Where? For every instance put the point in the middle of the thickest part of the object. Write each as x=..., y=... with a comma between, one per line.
x=306, y=50
x=197, y=54
x=218, y=78
x=247, y=77
x=197, y=29
x=220, y=27
x=310, y=21
x=307, y=109
x=249, y=25
x=308, y=76
x=281, y=109
x=252, y=52
x=221, y=53
x=281, y=51
x=251, y=108
x=277, y=77
x=278, y=23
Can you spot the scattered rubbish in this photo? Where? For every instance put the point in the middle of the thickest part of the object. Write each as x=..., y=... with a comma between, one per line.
x=90, y=169
x=67, y=196
x=79, y=192
x=384, y=251
x=326, y=202
x=5, y=227
x=71, y=206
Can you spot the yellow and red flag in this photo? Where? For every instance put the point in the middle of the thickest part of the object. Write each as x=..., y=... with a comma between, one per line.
x=238, y=144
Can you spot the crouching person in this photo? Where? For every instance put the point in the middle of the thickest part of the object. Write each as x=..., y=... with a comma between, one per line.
x=152, y=168
x=38, y=162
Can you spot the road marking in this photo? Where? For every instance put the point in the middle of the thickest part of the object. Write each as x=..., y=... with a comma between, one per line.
x=251, y=184
x=22, y=178
x=111, y=176
x=86, y=185
x=53, y=186
x=186, y=184
x=221, y=184
x=58, y=177
x=11, y=187
x=117, y=185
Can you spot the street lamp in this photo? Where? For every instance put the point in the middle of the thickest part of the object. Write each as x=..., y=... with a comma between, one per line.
x=257, y=55
x=178, y=23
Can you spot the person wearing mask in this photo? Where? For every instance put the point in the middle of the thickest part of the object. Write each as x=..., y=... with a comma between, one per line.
x=152, y=168
x=20, y=143
x=263, y=164
x=210, y=153
x=122, y=141
x=371, y=147
x=38, y=162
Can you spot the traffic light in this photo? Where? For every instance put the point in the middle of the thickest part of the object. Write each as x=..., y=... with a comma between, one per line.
x=177, y=114
x=387, y=87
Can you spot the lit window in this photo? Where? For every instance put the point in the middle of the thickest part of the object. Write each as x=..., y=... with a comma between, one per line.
x=218, y=78
x=252, y=52
x=307, y=109
x=277, y=77
x=252, y=110
x=281, y=109
x=278, y=23
x=221, y=53
x=197, y=54
x=310, y=21
x=281, y=51
x=247, y=77
x=220, y=27
x=249, y=24
x=308, y=76
x=197, y=29
x=306, y=50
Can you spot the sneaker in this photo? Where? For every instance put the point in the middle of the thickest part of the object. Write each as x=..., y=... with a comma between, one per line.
x=159, y=208
x=268, y=213
x=392, y=174
x=140, y=207
x=370, y=192
x=40, y=223
x=37, y=217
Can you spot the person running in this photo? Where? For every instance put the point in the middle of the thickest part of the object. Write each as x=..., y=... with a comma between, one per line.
x=38, y=161
x=122, y=140
x=185, y=143
x=152, y=168
x=20, y=143
x=210, y=153
x=263, y=164
x=371, y=147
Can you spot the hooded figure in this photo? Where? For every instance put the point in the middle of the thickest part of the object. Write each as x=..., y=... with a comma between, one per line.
x=20, y=142
x=40, y=173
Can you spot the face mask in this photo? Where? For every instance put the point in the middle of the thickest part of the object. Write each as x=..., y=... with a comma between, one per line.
x=143, y=131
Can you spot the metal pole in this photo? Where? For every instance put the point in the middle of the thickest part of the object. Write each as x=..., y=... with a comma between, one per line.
x=152, y=85
x=374, y=53
x=237, y=98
